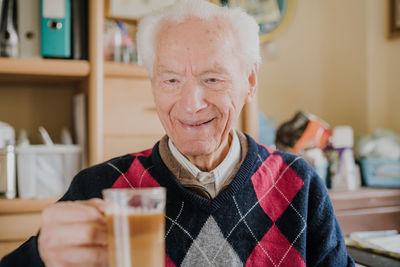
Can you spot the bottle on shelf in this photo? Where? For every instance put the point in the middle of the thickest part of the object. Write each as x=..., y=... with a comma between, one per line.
x=117, y=42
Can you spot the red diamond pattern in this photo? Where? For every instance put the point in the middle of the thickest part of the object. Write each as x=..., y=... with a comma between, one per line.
x=274, y=250
x=146, y=153
x=275, y=184
x=168, y=262
x=286, y=180
x=136, y=176
x=270, y=150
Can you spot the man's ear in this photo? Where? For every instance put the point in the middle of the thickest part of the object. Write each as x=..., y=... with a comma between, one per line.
x=253, y=82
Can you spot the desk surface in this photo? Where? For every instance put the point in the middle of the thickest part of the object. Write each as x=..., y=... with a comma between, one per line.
x=365, y=197
x=367, y=209
x=367, y=258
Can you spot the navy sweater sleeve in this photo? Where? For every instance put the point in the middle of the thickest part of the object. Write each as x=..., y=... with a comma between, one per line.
x=325, y=243
x=87, y=184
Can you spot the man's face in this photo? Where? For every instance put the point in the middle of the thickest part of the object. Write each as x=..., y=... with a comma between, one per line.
x=200, y=84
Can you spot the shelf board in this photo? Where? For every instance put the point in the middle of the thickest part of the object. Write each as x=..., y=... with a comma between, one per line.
x=18, y=205
x=15, y=68
x=124, y=70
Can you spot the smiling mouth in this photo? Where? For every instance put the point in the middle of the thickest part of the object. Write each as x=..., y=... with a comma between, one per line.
x=195, y=123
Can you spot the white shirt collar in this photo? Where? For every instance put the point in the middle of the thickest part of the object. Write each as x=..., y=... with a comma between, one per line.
x=221, y=173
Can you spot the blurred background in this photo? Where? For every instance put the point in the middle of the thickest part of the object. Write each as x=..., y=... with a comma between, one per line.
x=73, y=94
x=335, y=59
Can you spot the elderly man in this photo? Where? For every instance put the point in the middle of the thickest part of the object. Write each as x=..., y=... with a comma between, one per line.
x=230, y=201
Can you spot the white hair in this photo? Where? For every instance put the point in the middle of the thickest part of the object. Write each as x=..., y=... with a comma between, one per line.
x=243, y=25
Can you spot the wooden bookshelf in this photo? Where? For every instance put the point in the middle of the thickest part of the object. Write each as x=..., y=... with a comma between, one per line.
x=41, y=68
x=8, y=206
x=19, y=219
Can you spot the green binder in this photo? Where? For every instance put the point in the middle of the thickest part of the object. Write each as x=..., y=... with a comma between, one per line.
x=55, y=28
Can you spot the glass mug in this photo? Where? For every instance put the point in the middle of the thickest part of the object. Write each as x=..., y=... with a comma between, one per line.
x=135, y=226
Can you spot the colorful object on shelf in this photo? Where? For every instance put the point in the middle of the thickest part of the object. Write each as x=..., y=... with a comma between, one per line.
x=344, y=174
x=304, y=131
x=119, y=46
x=306, y=135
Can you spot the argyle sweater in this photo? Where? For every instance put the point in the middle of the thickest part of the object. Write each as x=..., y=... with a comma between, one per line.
x=275, y=212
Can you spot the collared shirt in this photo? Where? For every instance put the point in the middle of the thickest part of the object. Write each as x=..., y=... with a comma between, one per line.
x=218, y=176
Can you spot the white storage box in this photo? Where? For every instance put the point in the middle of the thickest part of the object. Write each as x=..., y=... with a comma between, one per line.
x=46, y=171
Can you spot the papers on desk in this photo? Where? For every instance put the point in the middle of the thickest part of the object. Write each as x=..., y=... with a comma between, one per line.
x=384, y=242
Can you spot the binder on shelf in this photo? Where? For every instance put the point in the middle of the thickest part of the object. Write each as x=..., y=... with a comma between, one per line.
x=8, y=32
x=79, y=29
x=56, y=28
x=1, y=14
x=28, y=28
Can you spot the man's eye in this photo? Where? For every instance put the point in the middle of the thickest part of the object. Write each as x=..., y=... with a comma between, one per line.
x=171, y=84
x=212, y=80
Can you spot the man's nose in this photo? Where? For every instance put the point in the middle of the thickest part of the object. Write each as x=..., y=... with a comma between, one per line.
x=192, y=98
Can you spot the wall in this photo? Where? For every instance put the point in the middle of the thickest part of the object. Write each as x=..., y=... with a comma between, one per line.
x=344, y=63
x=383, y=70
x=334, y=60
x=292, y=78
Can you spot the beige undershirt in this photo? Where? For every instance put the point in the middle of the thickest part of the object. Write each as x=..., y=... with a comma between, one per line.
x=188, y=180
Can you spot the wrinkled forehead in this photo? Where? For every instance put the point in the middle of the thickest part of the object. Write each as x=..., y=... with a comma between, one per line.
x=197, y=45
x=196, y=33
x=213, y=26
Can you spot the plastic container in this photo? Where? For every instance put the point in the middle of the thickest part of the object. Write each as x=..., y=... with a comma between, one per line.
x=7, y=172
x=378, y=172
x=46, y=171
x=7, y=161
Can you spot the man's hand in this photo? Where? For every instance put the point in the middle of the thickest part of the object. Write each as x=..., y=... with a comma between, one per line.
x=74, y=234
